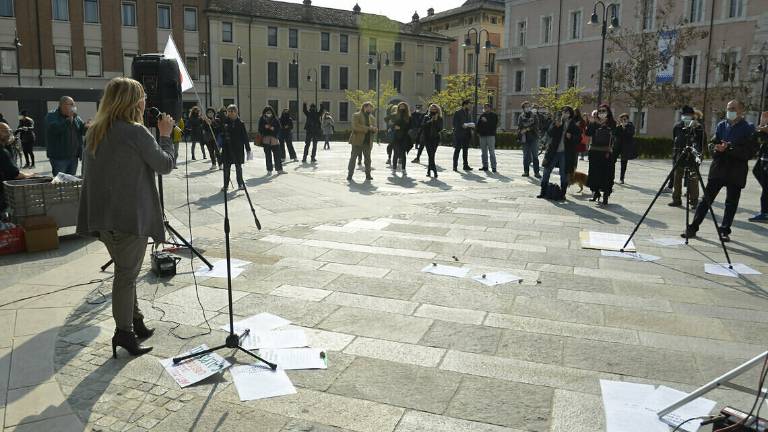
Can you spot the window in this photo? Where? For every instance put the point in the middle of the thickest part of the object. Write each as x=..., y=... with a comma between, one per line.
x=128, y=63
x=438, y=82
x=371, y=46
x=6, y=8
x=522, y=29
x=272, y=74
x=728, y=66
x=60, y=11
x=325, y=77
x=93, y=63
x=91, y=11
x=63, y=62
x=470, y=65
x=226, y=32
x=546, y=30
x=8, y=61
x=293, y=38
x=572, y=75
x=272, y=36
x=492, y=62
x=325, y=105
x=399, y=51
x=275, y=104
x=344, y=43
x=735, y=8
x=519, y=79
x=397, y=80
x=128, y=12
x=293, y=108
x=640, y=119
x=696, y=13
x=164, y=16
x=293, y=76
x=438, y=54
x=544, y=77
x=227, y=102
x=190, y=19
x=343, y=78
x=575, y=25
x=343, y=111
x=648, y=10
x=193, y=67
x=371, y=79
x=494, y=20
x=227, y=72
x=689, y=69
x=325, y=41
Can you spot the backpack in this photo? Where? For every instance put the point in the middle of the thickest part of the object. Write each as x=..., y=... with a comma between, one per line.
x=554, y=192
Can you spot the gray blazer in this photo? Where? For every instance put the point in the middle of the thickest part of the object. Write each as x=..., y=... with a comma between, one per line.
x=119, y=192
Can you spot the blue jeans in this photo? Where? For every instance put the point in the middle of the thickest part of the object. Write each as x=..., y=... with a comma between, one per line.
x=531, y=155
x=488, y=145
x=68, y=166
x=560, y=163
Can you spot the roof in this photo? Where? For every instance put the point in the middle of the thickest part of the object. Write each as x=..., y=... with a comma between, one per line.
x=468, y=6
x=297, y=12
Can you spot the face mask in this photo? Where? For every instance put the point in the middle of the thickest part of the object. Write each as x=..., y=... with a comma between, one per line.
x=602, y=115
x=268, y=115
x=686, y=119
x=731, y=115
x=534, y=110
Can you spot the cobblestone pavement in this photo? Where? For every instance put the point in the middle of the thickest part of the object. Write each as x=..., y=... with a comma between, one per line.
x=407, y=351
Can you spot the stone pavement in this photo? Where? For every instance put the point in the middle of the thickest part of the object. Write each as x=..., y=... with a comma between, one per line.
x=407, y=351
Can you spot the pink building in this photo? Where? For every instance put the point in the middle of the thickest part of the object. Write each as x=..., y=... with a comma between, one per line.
x=549, y=42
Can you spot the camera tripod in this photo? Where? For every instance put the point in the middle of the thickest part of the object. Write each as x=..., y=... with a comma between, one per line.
x=688, y=160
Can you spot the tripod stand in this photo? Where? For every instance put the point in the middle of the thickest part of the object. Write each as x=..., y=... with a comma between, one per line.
x=688, y=159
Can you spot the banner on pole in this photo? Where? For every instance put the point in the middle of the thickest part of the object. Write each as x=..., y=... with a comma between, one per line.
x=171, y=52
x=666, y=73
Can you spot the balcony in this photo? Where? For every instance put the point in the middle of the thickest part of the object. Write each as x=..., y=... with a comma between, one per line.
x=512, y=54
x=399, y=57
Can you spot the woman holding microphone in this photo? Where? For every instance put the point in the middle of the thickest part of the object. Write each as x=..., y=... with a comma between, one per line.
x=119, y=202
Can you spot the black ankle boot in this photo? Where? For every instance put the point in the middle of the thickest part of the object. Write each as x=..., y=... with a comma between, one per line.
x=128, y=341
x=141, y=330
x=595, y=196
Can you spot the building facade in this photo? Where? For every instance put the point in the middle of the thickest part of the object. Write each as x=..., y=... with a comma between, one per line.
x=549, y=42
x=336, y=50
x=73, y=47
x=456, y=23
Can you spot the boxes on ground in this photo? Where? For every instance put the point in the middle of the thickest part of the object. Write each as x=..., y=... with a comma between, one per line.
x=38, y=196
x=41, y=233
x=11, y=239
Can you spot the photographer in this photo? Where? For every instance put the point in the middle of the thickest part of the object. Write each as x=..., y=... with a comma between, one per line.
x=688, y=131
x=761, y=173
x=234, y=145
x=119, y=202
x=731, y=147
x=64, y=137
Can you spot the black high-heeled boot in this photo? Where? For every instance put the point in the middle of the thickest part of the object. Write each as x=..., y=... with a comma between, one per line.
x=605, y=199
x=127, y=340
x=141, y=329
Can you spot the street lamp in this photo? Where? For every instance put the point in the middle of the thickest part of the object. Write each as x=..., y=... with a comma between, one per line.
x=295, y=64
x=240, y=62
x=762, y=68
x=17, y=44
x=310, y=71
x=377, y=58
x=593, y=20
x=468, y=43
x=204, y=55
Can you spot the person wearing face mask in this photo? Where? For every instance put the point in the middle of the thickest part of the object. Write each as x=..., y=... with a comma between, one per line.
x=625, y=144
x=486, y=129
x=602, y=164
x=687, y=129
x=732, y=146
x=328, y=128
x=462, y=134
x=286, y=136
x=431, y=126
x=234, y=145
x=527, y=135
x=269, y=128
x=313, y=128
x=565, y=135
x=402, y=139
x=361, y=139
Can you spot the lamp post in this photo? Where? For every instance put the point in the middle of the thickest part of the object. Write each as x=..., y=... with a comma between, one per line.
x=295, y=64
x=17, y=44
x=309, y=79
x=240, y=62
x=594, y=19
x=467, y=43
x=204, y=55
x=377, y=57
x=762, y=68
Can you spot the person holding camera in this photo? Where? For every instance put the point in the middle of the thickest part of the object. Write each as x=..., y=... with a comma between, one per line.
x=761, y=173
x=234, y=146
x=286, y=136
x=119, y=202
x=361, y=139
x=602, y=163
x=732, y=146
x=431, y=126
x=565, y=135
x=527, y=135
x=64, y=137
x=625, y=148
x=269, y=128
x=687, y=132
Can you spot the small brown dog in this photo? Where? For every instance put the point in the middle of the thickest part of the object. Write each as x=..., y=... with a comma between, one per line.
x=578, y=178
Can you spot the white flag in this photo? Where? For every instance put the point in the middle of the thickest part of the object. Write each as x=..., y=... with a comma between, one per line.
x=171, y=52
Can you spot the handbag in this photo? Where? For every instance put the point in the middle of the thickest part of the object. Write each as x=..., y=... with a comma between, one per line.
x=258, y=140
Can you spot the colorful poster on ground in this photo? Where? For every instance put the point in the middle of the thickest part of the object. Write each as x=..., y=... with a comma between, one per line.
x=195, y=369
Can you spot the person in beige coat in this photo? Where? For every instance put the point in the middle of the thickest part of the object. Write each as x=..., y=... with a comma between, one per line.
x=361, y=139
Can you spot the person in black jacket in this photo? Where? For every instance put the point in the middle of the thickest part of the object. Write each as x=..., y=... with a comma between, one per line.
x=602, y=164
x=402, y=139
x=269, y=129
x=26, y=131
x=417, y=118
x=195, y=126
x=210, y=130
x=687, y=131
x=431, y=126
x=234, y=144
x=462, y=134
x=486, y=129
x=625, y=143
x=760, y=171
x=286, y=136
x=313, y=128
x=565, y=135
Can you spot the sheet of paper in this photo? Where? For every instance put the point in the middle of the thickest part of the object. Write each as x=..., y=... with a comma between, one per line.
x=219, y=270
x=720, y=270
x=296, y=358
x=742, y=269
x=630, y=255
x=609, y=241
x=444, y=270
x=668, y=241
x=497, y=278
x=376, y=225
x=663, y=397
x=259, y=382
x=195, y=369
x=624, y=412
x=276, y=339
x=260, y=322
x=238, y=262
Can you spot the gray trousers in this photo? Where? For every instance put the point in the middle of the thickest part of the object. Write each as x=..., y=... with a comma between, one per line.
x=127, y=251
x=488, y=146
x=357, y=151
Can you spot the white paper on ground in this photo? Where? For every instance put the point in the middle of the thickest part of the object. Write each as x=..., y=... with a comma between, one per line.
x=195, y=369
x=238, y=262
x=665, y=396
x=668, y=241
x=631, y=255
x=260, y=382
x=624, y=412
x=444, y=270
x=260, y=322
x=276, y=339
x=295, y=358
x=742, y=268
x=376, y=225
x=219, y=270
x=497, y=278
x=721, y=269
x=610, y=241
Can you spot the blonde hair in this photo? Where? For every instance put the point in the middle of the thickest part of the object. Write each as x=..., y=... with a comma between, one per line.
x=439, y=110
x=120, y=102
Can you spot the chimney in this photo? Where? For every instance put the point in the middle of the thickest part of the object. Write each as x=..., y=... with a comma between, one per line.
x=356, y=9
x=430, y=12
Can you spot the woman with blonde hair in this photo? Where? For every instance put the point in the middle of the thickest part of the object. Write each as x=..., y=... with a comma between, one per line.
x=119, y=202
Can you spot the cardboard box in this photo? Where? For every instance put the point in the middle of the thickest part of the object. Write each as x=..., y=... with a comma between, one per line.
x=41, y=233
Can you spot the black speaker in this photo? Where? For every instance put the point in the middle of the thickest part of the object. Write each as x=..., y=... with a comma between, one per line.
x=161, y=79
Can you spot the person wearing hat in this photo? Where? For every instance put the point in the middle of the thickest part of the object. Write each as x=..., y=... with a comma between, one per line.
x=686, y=129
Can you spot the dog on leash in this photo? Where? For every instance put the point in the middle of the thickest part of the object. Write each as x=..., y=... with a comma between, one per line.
x=579, y=178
